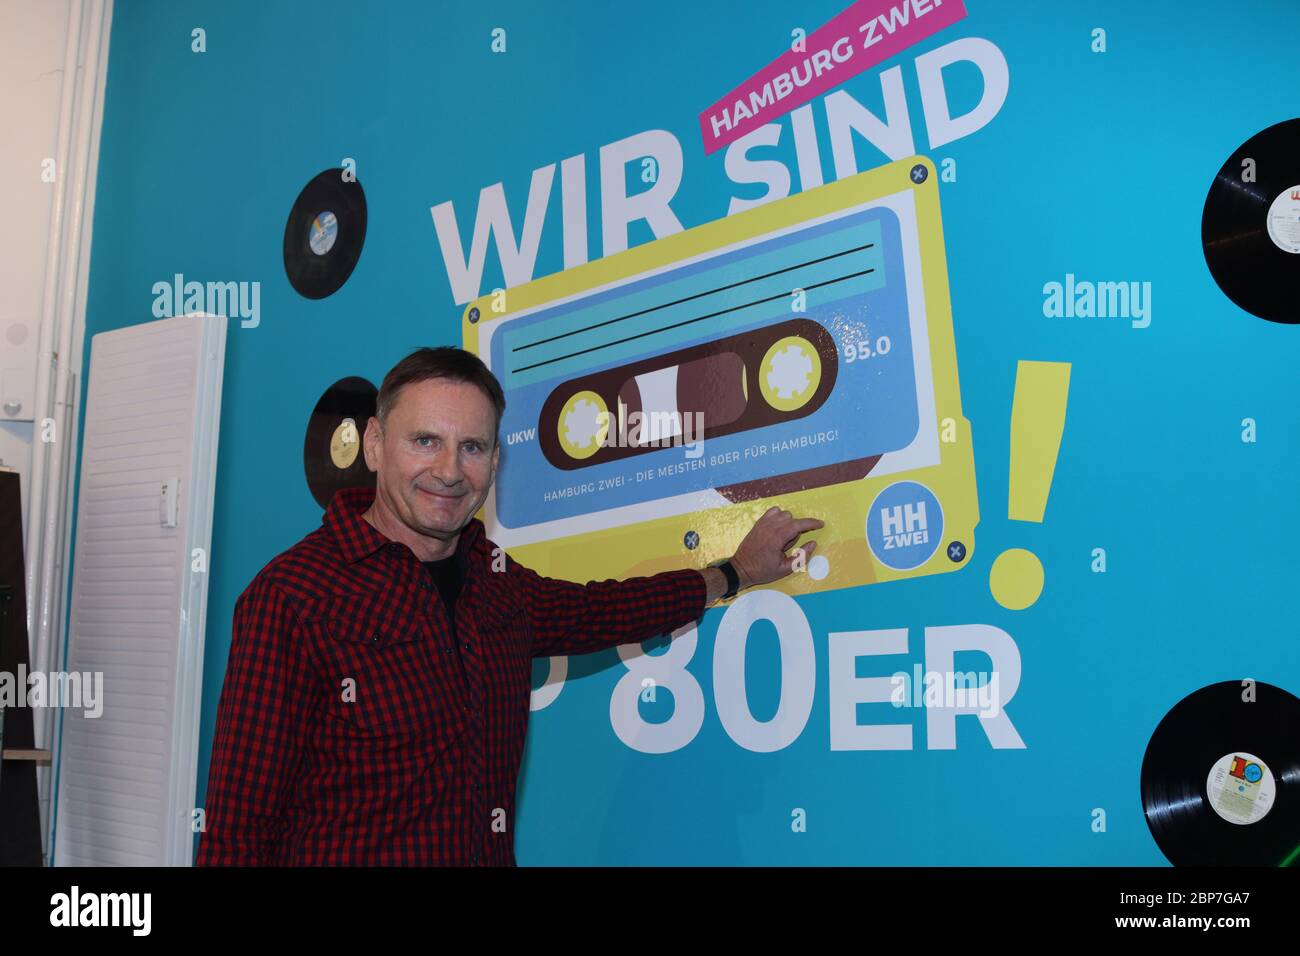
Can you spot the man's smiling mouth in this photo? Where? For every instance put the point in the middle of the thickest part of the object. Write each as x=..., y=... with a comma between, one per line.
x=438, y=494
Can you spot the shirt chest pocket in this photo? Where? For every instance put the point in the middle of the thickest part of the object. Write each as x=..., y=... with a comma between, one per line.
x=504, y=642
x=501, y=619
x=387, y=682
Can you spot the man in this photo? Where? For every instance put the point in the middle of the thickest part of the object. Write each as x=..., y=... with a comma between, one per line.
x=377, y=690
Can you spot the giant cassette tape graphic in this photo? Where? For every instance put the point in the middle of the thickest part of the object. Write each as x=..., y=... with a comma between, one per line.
x=797, y=354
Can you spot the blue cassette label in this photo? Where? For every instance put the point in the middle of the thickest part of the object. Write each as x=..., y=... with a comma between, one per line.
x=845, y=275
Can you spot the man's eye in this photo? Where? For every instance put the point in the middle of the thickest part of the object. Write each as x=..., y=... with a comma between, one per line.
x=422, y=439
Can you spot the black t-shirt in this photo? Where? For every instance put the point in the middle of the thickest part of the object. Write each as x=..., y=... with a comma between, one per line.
x=446, y=575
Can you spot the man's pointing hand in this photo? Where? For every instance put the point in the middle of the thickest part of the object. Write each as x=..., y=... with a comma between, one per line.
x=761, y=557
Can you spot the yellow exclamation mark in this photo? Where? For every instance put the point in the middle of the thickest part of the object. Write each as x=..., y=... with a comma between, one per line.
x=1037, y=423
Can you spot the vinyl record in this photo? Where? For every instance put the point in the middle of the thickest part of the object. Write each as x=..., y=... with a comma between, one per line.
x=324, y=234
x=1250, y=229
x=1221, y=778
x=332, y=455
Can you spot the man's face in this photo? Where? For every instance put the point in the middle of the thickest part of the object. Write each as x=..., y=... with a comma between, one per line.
x=437, y=456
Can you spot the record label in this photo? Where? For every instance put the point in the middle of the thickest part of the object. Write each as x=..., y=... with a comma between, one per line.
x=345, y=444
x=1240, y=787
x=1284, y=220
x=324, y=230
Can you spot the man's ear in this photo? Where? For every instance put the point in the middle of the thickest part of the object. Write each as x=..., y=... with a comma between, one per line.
x=372, y=443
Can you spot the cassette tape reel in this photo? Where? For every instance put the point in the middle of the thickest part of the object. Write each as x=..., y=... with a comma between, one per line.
x=799, y=354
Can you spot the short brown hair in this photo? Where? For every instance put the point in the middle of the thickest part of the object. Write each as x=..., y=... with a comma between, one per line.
x=443, y=361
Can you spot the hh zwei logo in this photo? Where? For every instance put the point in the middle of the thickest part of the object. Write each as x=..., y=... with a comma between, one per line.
x=904, y=525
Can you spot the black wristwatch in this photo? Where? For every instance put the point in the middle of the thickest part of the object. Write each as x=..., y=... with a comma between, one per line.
x=733, y=578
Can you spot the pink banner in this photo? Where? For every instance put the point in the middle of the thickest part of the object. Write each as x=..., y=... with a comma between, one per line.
x=865, y=34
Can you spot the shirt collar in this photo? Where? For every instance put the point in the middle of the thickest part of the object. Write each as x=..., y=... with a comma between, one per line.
x=357, y=538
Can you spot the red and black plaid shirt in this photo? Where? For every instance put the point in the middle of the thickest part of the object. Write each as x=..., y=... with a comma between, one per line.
x=352, y=729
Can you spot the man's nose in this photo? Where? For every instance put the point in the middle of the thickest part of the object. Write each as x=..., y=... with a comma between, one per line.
x=446, y=466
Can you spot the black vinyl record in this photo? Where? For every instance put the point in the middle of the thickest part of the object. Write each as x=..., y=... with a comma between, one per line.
x=324, y=234
x=1221, y=778
x=332, y=455
x=1250, y=229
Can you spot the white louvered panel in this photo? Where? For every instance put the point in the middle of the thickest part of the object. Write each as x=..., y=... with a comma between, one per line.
x=126, y=778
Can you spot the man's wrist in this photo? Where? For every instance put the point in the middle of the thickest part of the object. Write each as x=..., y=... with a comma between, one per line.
x=715, y=582
x=728, y=568
x=719, y=585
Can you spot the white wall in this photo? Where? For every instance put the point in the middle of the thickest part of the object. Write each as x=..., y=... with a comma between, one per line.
x=33, y=35
x=53, y=66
